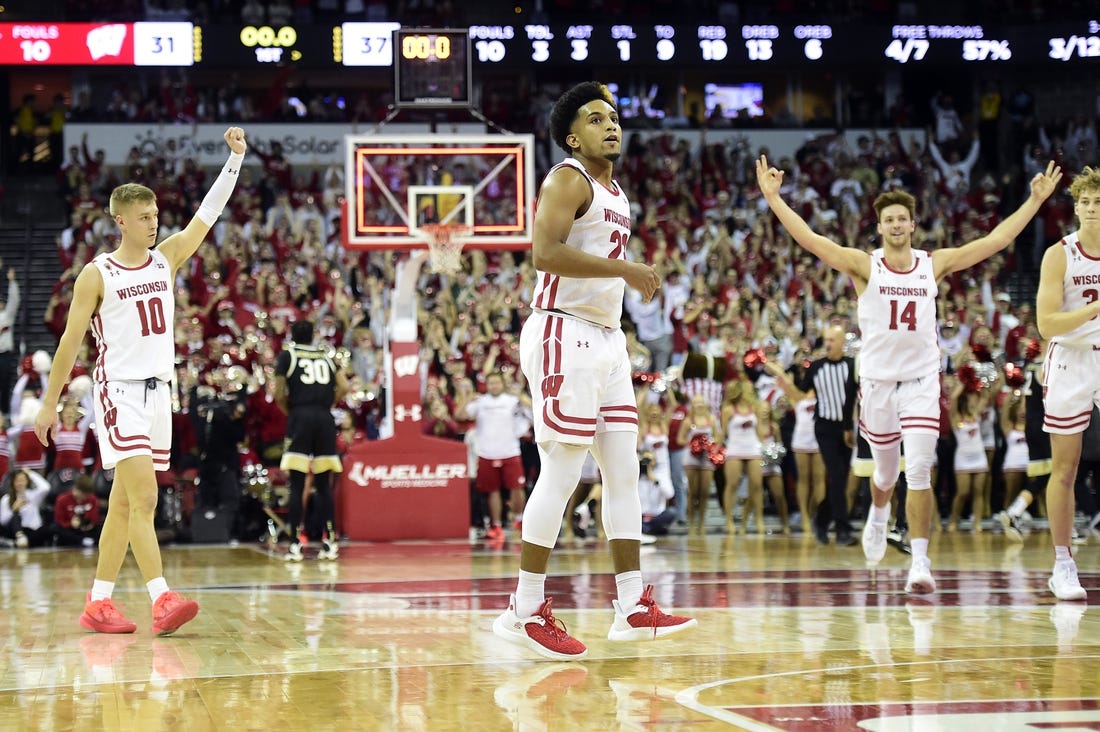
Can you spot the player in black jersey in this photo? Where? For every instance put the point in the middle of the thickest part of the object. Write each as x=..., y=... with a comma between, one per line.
x=307, y=384
x=1038, y=443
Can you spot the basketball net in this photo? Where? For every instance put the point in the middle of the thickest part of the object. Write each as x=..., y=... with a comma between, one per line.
x=445, y=242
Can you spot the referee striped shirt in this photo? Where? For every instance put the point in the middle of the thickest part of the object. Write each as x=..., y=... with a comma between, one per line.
x=834, y=383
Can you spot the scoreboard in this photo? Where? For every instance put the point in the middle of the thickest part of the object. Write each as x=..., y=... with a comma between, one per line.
x=781, y=45
x=97, y=44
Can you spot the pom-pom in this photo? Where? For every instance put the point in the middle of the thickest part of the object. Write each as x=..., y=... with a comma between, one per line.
x=1014, y=375
x=1034, y=348
x=716, y=453
x=968, y=377
x=41, y=362
x=755, y=359
x=699, y=444
x=81, y=386
x=772, y=454
x=28, y=410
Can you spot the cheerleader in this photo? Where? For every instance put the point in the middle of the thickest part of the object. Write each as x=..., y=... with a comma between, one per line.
x=743, y=452
x=810, y=483
x=5, y=449
x=71, y=435
x=1013, y=423
x=771, y=472
x=971, y=464
x=653, y=439
x=699, y=429
x=28, y=452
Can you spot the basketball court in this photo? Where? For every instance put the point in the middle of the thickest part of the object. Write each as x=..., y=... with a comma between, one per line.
x=397, y=636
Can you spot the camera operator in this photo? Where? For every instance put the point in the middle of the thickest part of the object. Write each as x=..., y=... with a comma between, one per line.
x=655, y=493
x=217, y=414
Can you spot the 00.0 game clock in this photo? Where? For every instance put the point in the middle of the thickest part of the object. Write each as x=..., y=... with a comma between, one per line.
x=431, y=67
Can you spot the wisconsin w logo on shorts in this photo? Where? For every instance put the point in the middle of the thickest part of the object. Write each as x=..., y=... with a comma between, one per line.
x=551, y=385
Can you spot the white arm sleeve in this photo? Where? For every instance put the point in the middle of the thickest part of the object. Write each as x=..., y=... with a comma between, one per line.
x=218, y=195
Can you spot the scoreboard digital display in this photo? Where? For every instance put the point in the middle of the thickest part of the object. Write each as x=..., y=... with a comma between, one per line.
x=431, y=67
x=784, y=45
x=97, y=44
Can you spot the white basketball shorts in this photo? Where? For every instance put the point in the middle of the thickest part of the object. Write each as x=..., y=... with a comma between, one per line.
x=134, y=419
x=580, y=378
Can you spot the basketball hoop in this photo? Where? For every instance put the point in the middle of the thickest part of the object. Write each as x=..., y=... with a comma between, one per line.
x=445, y=242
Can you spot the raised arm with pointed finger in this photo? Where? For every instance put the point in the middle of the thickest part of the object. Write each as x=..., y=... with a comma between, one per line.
x=852, y=262
x=946, y=261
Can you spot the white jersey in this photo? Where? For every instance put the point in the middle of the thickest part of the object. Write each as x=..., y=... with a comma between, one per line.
x=804, y=438
x=1081, y=286
x=742, y=442
x=1017, y=455
x=495, y=425
x=897, y=319
x=602, y=231
x=969, y=450
x=134, y=323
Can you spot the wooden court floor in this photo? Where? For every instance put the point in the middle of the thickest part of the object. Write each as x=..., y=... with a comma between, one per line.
x=792, y=636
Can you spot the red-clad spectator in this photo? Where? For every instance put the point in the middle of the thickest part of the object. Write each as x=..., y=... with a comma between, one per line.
x=76, y=515
x=276, y=167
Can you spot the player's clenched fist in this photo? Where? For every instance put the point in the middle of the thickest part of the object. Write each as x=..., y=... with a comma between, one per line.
x=234, y=137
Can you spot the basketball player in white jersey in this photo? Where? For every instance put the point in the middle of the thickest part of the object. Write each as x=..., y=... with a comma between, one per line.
x=128, y=297
x=574, y=355
x=899, y=362
x=1067, y=306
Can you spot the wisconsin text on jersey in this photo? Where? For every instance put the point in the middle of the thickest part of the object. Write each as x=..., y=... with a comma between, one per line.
x=1089, y=279
x=144, y=288
x=895, y=291
x=614, y=217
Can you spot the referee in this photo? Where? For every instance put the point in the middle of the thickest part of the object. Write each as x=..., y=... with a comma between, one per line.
x=833, y=381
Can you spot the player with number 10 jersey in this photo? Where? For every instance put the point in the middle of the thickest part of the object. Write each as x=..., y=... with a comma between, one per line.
x=140, y=306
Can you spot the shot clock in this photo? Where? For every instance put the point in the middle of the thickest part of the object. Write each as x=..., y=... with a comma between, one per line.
x=432, y=67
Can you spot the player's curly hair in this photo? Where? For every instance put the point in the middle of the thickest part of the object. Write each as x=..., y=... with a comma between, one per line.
x=128, y=194
x=1087, y=180
x=565, y=109
x=896, y=198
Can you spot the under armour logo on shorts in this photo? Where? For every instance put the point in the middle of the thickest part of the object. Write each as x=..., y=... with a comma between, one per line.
x=582, y=344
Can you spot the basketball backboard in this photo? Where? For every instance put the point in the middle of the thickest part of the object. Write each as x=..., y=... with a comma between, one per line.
x=398, y=183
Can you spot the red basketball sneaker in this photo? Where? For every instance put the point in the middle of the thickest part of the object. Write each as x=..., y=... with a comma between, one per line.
x=170, y=611
x=103, y=617
x=645, y=621
x=542, y=632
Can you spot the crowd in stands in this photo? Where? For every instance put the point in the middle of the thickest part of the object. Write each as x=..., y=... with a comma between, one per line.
x=736, y=287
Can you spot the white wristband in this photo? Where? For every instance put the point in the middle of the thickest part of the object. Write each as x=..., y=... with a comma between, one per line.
x=218, y=195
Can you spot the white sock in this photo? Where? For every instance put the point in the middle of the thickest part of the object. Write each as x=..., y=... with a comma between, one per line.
x=530, y=593
x=102, y=589
x=1016, y=510
x=919, y=547
x=157, y=587
x=1062, y=554
x=630, y=589
x=880, y=514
